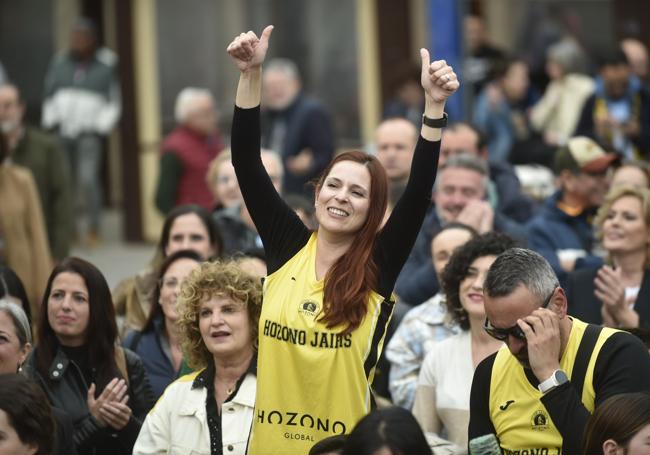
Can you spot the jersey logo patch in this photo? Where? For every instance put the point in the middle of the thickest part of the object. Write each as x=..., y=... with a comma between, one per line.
x=539, y=421
x=308, y=308
x=506, y=405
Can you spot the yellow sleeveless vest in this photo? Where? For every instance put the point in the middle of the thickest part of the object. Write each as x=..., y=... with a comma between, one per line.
x=524, y=426
x=312, y=381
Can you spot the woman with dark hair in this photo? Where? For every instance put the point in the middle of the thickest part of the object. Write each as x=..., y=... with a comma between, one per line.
x=328, y=293
x=23, y=240
x=441, y=403
x=26, y=423
x=620, y=425
x=80, y=368
x=388, y=431
x=159, y=344
x=186, y=227
x=12, y=289
x=211, y=411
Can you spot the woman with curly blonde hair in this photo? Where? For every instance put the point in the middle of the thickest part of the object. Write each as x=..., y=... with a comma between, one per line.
x=211, y=410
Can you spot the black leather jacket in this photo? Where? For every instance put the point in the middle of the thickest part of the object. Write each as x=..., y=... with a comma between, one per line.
x=66, y=389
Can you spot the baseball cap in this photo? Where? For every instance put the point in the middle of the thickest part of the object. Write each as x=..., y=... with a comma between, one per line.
x=583, y=154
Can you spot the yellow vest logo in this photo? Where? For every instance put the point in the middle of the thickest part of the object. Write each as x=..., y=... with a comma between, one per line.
x=539, y=421
x=308, y=308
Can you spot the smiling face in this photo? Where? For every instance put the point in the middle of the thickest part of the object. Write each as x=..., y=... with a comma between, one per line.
x=624, y=228
x=12, y=355
x=343, y=200
x=68, y=308
x=225, y=327
x=189, y=233
x=170, y=286
x=471, y=288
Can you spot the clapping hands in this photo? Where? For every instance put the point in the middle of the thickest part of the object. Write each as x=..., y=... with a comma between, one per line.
x=609, y=289
x=110, y=408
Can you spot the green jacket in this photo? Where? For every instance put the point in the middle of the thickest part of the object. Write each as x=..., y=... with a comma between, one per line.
x=42, y=154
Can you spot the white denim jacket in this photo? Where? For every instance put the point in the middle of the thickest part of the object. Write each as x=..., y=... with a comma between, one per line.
x=178, y=423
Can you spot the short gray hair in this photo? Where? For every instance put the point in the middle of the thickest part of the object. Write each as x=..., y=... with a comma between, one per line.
x=283, y=65
x=470, y=162
x=519, y=266
x=19, y=318
x=185, y=99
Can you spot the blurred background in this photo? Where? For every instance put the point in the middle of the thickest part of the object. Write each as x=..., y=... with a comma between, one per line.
x=355, y=55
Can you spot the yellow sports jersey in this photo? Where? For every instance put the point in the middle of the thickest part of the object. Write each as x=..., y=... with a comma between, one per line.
x=521, y=421
x=312, y=381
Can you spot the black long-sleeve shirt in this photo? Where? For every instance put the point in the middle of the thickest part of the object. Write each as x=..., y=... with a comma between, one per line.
x=282, y=232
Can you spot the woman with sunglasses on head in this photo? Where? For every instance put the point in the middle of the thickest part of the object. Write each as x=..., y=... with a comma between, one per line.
x=328, y=293
x=441, y=403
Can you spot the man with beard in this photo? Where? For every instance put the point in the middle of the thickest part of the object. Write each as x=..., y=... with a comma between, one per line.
x=537, y=392
x=460, y=195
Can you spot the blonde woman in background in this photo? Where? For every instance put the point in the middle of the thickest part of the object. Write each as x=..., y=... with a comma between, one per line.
x=618, y=293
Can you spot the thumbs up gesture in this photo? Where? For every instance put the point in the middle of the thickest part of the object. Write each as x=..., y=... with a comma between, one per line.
x=248, y=51
x=438, y=79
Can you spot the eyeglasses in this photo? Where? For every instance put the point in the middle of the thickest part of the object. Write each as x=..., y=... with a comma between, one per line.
x=515, y=330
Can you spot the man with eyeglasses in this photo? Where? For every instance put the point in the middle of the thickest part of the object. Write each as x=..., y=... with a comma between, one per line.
x=536, y=394
x=562, y=231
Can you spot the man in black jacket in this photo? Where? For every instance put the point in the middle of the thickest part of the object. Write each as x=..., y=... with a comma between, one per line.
x=296, y=126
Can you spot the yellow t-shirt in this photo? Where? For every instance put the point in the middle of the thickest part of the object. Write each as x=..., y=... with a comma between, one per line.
x=521, y=421
x=312, y=381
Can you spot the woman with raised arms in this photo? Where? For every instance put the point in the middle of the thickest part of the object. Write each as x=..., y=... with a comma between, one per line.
x=328, y=294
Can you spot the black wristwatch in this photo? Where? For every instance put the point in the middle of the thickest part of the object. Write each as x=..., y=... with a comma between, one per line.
x=436, y=122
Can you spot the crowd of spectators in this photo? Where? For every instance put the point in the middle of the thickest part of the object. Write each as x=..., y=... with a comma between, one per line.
x=522, y=308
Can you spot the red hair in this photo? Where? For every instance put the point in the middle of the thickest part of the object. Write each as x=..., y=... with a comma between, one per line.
x=355, y=274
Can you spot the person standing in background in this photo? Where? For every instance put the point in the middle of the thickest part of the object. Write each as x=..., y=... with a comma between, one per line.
x=188, y=151
x=44, y=157
x=82, y=104
x=296, y=126
x=23, y=241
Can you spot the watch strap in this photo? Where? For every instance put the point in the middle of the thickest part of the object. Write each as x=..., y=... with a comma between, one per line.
x=552, y=382
x=436, y=122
